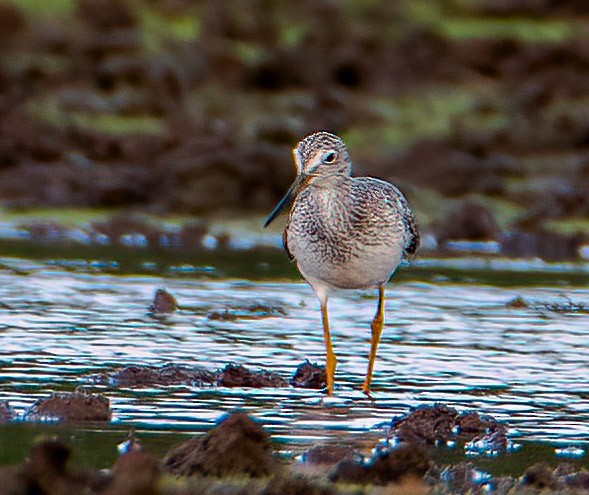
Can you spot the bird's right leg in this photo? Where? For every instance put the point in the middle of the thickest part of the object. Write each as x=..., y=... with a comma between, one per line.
x=331, y=360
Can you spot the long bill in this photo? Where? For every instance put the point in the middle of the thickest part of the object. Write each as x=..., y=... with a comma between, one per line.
x=286, y=200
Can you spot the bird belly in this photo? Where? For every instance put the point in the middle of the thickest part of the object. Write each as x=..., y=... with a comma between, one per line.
x=363, y=269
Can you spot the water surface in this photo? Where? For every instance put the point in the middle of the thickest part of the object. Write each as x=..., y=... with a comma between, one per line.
x=448, y=341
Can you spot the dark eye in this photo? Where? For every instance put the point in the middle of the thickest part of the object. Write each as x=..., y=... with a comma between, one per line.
x=329, y=157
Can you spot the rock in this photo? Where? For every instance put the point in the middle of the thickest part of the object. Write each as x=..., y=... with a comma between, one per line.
x=234, y=375
x=163, y=303
x=6, y=412
x=309, y=375
x=170, y=374
x=327, y=454
x=237, y=446
x=426, y=425
x=70, y=406
x=390, y=466
x=460, y=478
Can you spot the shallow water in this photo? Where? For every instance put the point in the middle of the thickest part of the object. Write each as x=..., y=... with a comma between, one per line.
x=457, y=343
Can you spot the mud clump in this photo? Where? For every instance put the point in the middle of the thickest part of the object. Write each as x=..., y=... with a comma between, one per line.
x=539, y=476
x=518, y=302
x=163, y=303
x=390, y=466
x=327, y=454
x=234, y=375
x=6, y=412
x=237, y=446
x=135, y=473
x=70, y=406
x=168, y=375
x=429, y=425
x=426, y=425
x=309, y=375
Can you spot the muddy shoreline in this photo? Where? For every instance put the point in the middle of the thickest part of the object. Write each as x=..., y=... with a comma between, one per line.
x=237, y=456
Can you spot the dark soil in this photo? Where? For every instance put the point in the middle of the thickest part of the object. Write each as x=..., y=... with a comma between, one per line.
x=234, y=375
x=168, y=375
x=236, y=457
x=429, y=425
x=238, y=446
x=6, y=412
x=156, y=106
x=309, y=375
x=70, y=406
x=163, y=303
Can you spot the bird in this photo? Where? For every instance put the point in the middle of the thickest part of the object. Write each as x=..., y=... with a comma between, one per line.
x=344, y=232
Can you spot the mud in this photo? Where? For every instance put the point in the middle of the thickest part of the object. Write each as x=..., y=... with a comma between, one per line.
x=438, y=424
x=163, y=303
x=142, y=124
x=6, y=412
x=237, y=446
x=236, y=456
x=234, y=375
x=168, y=375
x=309, y=375
x=70, y=406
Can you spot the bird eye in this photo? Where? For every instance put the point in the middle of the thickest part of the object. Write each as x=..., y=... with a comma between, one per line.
x=329, y=157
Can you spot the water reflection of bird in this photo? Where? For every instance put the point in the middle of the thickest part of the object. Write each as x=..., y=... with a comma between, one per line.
x=344, y=232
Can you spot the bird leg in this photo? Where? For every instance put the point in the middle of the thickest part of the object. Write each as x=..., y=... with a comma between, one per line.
x=376, y=327
x=330, y=360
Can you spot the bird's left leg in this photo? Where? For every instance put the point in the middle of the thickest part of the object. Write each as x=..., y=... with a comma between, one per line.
x=376, y=328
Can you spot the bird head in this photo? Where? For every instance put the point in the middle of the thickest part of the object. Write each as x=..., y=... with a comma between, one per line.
x=322, y=160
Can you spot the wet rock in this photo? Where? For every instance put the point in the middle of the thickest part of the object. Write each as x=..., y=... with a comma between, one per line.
x=494, y=440
x=577, y=480
x=234, y=375
x=168, y=375
x=391, y=466
x=163, y=303
x=472, y=221
x=327, y=454
x=70, y=406
x=309, y=375
x=539, y=476
x=426, y=425
x=6, y=412
x=237, y=446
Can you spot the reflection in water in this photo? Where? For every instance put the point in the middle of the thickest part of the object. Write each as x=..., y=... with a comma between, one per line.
x=456, y=344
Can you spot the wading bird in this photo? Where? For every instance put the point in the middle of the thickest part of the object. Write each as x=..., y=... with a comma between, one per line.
x=344, y=232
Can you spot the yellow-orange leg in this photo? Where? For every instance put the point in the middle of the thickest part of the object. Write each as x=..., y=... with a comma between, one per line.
x=376, y=327
x=330, y=361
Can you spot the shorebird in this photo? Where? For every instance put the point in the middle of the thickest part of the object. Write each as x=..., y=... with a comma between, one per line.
x=344, y=232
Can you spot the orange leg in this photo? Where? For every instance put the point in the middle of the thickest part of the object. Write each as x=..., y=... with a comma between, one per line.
x=376, y=327
x=331, y=360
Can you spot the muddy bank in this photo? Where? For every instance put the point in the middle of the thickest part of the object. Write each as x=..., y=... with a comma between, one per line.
x=237, y=456
x=158, y=107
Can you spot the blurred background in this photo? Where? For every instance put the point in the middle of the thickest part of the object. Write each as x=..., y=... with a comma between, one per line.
x=138, y=122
